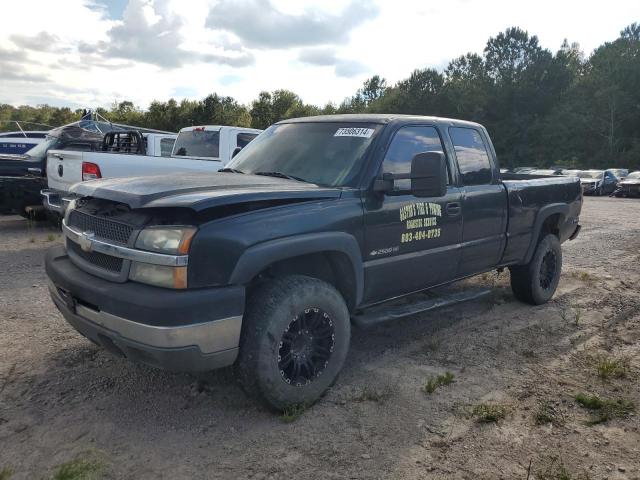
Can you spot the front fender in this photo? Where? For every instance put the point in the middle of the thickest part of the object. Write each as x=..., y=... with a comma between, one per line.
x=257, y=258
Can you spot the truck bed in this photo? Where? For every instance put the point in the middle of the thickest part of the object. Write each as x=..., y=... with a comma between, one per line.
x=529, y=198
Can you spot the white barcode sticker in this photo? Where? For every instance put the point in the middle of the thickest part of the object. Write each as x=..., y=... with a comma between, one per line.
x=354, y=132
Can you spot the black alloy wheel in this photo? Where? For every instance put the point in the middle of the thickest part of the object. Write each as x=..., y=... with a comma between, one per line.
x=306, y=346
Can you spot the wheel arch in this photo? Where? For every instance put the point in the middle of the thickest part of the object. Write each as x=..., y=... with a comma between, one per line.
x=548, y=220
x=330, y=256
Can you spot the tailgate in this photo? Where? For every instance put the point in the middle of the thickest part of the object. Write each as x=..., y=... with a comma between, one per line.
x=64, y=168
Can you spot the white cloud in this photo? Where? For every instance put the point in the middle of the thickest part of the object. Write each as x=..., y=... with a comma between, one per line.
x=262, y=25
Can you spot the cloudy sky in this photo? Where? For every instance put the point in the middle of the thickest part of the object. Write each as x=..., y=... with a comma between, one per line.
x=88, y=53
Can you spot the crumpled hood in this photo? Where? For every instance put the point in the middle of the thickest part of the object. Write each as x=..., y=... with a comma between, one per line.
x=199, y=191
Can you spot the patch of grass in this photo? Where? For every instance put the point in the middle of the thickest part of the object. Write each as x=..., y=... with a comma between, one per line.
x=292, y=413
x=583, y=276
x=78, y=469
x=372, y=394
x=489, y=413
x=604, y=409
x=51, y=237
x=571, y=314
x=555, y=469
x=608, y=367
x=435, y=382
x=6, y=473
x=548, y=413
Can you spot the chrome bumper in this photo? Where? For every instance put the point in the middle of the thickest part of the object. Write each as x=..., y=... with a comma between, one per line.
x=195, y=347
x=56, y=201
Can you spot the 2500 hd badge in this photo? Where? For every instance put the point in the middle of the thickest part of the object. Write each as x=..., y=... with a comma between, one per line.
x=265, y=264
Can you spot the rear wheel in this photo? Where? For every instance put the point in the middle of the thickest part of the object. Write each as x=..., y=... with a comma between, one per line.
x=536, y=282
x=295, y=339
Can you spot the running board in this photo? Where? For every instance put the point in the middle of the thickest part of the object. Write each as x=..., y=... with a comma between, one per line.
x=416, y=303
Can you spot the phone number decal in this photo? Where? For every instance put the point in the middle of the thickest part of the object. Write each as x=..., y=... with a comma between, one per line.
x=419, y=235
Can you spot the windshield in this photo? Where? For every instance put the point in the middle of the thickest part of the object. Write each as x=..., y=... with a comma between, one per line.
x=197, y=143
x=39, y=151
x=597, y=174
x=324, y=153
x=633, y=176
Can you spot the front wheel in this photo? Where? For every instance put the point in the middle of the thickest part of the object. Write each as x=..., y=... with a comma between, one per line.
x=295, y=338
x=536, y=282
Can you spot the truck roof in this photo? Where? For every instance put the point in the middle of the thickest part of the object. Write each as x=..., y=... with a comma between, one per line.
x=216, y=128
x=381, y=118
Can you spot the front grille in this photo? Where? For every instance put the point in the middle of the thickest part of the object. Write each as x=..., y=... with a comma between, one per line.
x=102, y=227
x=100, y=260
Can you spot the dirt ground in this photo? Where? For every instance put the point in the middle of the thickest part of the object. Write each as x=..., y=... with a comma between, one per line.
x=62, y=399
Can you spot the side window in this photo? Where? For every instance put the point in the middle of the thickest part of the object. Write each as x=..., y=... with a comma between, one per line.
x=407, y=142
x=245, y=138
x=166, y=146
x=472, y=156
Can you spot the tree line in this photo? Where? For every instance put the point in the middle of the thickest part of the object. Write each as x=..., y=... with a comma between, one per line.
x=541, y=108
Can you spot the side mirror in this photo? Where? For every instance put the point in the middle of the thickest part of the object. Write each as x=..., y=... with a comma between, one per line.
x=429, y=175
x=235, y=151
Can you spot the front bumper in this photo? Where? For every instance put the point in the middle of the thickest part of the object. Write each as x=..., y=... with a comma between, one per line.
x=56, y=201
x=187, y=330
x=589, y=188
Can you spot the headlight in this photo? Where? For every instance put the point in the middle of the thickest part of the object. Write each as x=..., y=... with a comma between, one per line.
x=170, y=240
x=158, y=275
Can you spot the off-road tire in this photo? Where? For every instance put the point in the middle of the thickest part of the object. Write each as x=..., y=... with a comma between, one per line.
x=271, y=311
x=536, y=282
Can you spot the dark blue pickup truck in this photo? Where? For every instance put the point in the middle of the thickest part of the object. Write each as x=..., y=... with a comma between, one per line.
x=317, y=222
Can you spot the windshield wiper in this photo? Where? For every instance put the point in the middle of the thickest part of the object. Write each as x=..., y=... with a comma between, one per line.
x=282, y=175
x=230, y=170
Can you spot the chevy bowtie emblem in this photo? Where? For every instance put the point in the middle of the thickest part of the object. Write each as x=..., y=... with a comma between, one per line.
x=86, y=241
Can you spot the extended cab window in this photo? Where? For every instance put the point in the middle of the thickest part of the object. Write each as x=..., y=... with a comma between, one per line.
x=406, y=143
x=197, y=143
x=472, y=156
x=245, y=138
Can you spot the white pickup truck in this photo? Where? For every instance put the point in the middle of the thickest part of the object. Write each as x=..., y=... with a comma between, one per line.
x=205, y=148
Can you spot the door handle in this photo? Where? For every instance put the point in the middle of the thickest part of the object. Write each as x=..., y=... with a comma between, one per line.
x=453, y=209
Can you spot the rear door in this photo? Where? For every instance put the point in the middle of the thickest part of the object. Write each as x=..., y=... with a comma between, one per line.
x=411, y=243
x=484, y=202
x=64, y=168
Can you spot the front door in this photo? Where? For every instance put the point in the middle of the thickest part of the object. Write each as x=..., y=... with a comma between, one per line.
x=411, y=243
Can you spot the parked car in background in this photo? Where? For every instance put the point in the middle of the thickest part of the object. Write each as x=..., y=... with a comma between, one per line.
x=597, y=182
x=543, y=171
x=15, y=143
x=629, y=186
x=620, y=173
x=23, y=176
x=195, y=149
x=121, y=147
x=569, y=172
x=523, y=169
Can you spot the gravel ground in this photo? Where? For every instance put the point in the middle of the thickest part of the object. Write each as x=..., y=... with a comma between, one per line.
x=63, y=399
